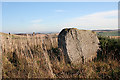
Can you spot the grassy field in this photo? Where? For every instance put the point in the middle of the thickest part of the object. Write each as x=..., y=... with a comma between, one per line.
x=109, y=33
x=39, y=57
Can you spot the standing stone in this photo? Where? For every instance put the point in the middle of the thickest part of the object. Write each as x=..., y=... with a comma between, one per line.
x=78, y=46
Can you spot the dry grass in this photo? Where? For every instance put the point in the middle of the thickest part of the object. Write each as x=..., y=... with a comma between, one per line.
x=39, y=57
x=24, y=56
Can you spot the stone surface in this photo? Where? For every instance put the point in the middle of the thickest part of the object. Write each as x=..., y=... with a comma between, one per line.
x=78, y=45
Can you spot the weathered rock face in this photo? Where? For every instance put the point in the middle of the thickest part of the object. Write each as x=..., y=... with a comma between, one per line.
x=78, y=45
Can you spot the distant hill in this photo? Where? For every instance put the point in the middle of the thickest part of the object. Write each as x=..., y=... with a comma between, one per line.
x=108, y=32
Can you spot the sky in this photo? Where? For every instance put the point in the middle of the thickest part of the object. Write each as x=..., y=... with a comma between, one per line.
x=27, y=17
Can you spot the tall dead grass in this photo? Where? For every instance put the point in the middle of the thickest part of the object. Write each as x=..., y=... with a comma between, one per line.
x=38, y=56
x=27, y=56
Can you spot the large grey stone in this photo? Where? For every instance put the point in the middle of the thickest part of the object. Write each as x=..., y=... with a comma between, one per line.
x=78, y=45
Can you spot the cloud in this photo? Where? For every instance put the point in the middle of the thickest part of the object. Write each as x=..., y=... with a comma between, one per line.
x=41, y=28
x=37, y=21
x=59, y=10
x=99, y=20
x=37, y=27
